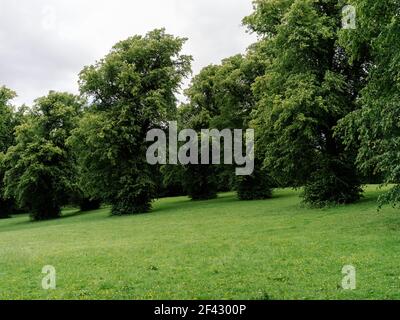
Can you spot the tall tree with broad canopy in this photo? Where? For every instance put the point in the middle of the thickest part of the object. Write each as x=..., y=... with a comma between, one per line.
x=40, y=167
x=200, y=181
x=221, y=98
x=7, y=125
x=132, y=90
x=308, y=86
x=374, y=128
x=7, y=119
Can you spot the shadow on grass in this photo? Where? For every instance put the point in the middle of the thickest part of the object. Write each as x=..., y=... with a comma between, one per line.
x=231, y=198
x=77, y=213
x=171, y=204
x=167, y=205
x=28, y=222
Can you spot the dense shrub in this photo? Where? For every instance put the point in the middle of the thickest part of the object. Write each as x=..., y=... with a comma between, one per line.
x=6, y=208
x=225, y=178
x=254, y=187
x=335, y=185
x=87, y=204
x=200, y=182
x=171, y=181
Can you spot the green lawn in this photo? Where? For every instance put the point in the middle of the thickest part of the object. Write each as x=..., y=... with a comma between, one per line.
x=219, y=249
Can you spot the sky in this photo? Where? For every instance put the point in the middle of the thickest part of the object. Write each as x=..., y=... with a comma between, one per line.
x=44, y=44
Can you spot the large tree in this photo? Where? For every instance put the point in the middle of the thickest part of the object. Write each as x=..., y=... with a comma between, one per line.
x=200, y=181
x=8, y=122
x=40, y=168
x=308, y=86
x=220, y=97
x=374, y=128
x=132, y=90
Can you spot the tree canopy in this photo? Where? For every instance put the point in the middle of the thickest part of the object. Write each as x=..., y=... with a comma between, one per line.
x=308, y=86
x=132, y=90
x=40, y=167
x=323, y=100
x=7, y=126
x=374, y=127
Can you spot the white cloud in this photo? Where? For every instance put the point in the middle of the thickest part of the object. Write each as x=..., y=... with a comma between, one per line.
x=45, y=43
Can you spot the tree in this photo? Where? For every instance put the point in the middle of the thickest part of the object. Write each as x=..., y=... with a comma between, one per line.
x=7, y=121
x=172, y=181
x=256, y=186
x=374, y=128
x=40, y=168
x=308, y=86
x=221, y=98
x=7, y=126
x=236, y=103
x=199, y=181
x=6, y=205
x=132, y=91
x=88, y=204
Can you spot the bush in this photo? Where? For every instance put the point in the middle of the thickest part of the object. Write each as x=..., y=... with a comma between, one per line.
x=170, y=184
x=133, y=199
x=44, y=210
x=254, y=187
x=200, y=182
x=6, y=208
x=335, y=184
x=225, y=178
x=87, y=204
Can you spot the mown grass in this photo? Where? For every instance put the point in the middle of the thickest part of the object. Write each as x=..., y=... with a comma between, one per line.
x=219, y=249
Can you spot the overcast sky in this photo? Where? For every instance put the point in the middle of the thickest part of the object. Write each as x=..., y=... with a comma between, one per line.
x=44, y=44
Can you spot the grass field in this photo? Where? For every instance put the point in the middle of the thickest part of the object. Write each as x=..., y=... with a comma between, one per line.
x=219, y=249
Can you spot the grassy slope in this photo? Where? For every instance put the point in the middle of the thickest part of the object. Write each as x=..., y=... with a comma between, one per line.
x=224, y=248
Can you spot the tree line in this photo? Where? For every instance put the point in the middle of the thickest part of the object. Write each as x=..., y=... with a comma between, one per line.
x=323, y=101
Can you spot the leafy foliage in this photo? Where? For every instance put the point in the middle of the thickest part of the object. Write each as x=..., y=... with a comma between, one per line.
x=9, y=119
x=374, y=127
x=200, y=182
x=221, y=97
x=89, y=204
x=332, y=185
x=307, y=87
x=324, y=103
x=133, y=91
x=256, y=186
x=40, y=169
x=171, y=177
